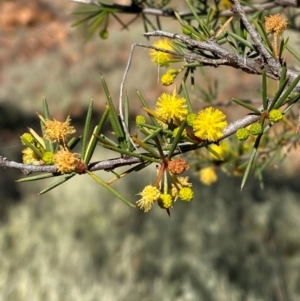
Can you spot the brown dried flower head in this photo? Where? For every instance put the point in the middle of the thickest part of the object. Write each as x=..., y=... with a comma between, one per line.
x=275, y=24
x=58, y=131
x=177, y=166
x=65, y=161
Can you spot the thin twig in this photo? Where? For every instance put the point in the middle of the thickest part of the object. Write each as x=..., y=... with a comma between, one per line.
x=253, y=33
x=122, y=91
x=114, y=163
x=249, y=65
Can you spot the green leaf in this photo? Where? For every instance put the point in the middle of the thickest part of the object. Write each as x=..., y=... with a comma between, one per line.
x=73, y=142
x=282, y=46
x=136, y=168
x=86, y=130
x=287, y=93
x=177, y=139
x=114, y=118
x=251, y=160
x=95, y=25
x=247, y=106
x=264, y=89
x=37, y=137
x=153, y=119
x=241, y=40
x=243, y=34
x=282, y=86
x=131, y=154
x=294, y=99
x=187, y=97
x=202, y=26
x=153, y=134
x=147, y=147
x=46, y=109
x=85, y=12
x=126, y=120
x=292, y=51
x=177, y=16
x=109, y=188
x=105, y=140
x=93, y=141
x=93, y=14
x=32, y=147
x=57, y=183
x=49, y=145
x=212, y=151
x=283, y=74
x=263, y=34
x=46, y=143
x=148, y=22
x=35, y=177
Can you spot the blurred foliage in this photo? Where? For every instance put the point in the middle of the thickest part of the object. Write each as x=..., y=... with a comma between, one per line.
x=228, y=245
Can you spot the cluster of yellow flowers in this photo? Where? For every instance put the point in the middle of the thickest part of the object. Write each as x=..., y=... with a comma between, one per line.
x=160, y=58
x=53, y=131
x=164, y=192
x=207, y=125
x=165, y=59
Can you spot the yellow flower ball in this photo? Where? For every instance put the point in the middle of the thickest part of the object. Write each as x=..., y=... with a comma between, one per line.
x=209, y=124
x=162, y=58
x=208, y=176
x=150, y=194
x=186, y=194
x=171, y=107
x=165, y=201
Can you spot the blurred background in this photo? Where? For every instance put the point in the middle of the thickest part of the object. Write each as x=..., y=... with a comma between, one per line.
x=78, y=242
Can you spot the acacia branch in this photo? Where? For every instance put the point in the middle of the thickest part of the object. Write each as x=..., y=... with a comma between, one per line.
x=226, y=57
x=111, y=164
x=272, y=64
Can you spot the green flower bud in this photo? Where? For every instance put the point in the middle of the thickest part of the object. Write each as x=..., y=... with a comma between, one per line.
x=103, y=34
x=186, y=194
x=48, y=158
x=256, y=128
x=186, y=30
x=139, y=119
x=28, y=137
x=165, y=201
x=242, y=134
x=275, y=115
